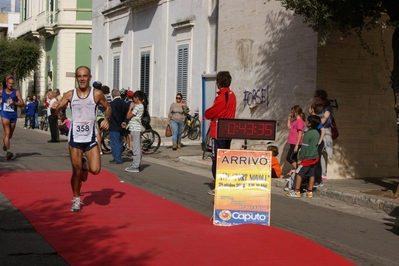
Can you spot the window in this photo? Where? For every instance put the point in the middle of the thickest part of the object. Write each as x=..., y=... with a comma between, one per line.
x=145, y=73
x=182, y=70
x=116, y=72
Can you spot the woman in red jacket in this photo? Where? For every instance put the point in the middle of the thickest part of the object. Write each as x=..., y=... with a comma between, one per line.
x=224, y=106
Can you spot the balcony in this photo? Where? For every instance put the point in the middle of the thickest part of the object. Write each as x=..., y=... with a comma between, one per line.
x=45, y=23
x=138, y=3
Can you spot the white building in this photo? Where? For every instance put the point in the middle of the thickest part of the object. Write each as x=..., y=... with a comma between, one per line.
x=62, y=29
x=159, y=46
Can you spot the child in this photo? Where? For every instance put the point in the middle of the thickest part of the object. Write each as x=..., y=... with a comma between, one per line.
x=296, y=125
x=308, y=158
x=276, y=169
x=64, y=125
x=30, y=113
x=135, y=113
x=316, y=109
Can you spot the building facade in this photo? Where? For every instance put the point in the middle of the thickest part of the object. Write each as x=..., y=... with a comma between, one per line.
x=161, y=47
x=62, y=29
x=276, y=63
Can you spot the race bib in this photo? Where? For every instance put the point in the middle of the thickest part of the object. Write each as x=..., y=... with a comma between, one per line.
x=8, y=107
x=82, y=131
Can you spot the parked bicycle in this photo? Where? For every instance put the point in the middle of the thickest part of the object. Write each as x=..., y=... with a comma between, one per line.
x=206, y=145
x=44, y=121
x=150, y=141
x=192, y=126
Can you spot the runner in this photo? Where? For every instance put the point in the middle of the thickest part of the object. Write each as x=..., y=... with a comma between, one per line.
x=82, y=134
x=11, y=99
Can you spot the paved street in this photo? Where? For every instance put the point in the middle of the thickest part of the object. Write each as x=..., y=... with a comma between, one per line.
x=362, y=235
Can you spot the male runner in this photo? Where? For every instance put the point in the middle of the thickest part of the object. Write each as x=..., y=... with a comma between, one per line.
x=82, y=133
x=11, y=99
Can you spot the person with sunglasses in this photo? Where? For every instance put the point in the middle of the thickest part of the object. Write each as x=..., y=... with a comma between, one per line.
x=11, y=99
x=177, y=114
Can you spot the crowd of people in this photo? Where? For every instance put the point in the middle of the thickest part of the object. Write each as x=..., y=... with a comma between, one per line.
x=95, y=108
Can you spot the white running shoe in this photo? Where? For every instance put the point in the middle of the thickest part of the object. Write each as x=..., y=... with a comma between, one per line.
x=75, y=205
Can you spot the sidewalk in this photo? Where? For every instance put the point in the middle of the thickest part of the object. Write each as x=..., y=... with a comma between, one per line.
x=359, y=192
x=365, y=192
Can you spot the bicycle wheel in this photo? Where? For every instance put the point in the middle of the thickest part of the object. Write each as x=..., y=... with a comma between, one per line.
x=195, y=130
x=150, y=141
x=207, y=145
x=45, y=123
x=105, y=140
x=186, y=129
x=42, y=122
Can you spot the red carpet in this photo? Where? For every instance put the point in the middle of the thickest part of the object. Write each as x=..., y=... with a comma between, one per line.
x=123, y=225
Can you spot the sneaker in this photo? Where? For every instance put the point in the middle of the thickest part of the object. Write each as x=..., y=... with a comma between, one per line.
x=9, y=155
x=307, y=194
x=211, y=192
x=293, y=194
x=323, y=178
x=132, y=169
x=318, y=184
x=24, y=127
x=75, y=205
x=287, y=188
x=85, y=172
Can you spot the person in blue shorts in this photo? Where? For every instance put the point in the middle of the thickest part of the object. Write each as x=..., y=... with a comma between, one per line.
x=11, y=99
x=82, y=134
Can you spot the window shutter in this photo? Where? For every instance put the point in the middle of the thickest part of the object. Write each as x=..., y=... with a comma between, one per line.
x=182, y=70
x=145, y=73
x=116, y=72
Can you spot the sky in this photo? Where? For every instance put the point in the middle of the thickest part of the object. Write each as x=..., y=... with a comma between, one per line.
x=5, y=5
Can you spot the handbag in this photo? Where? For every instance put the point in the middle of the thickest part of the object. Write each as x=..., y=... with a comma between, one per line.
x=334, y=129
x=168, y=131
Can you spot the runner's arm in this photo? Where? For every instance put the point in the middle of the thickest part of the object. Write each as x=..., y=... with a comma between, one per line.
x=20, y=102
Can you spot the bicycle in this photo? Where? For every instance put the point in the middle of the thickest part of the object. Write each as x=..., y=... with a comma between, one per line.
x=44, y=121
x=206, y=145
x=192, y=126
x=150, y=141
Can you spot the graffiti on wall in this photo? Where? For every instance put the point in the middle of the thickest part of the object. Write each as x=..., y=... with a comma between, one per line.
x=256, y=97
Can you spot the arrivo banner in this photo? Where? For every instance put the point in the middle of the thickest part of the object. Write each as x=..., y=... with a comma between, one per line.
x=243, y=187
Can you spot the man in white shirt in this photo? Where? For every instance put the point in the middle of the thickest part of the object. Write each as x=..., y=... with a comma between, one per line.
x=53, y=117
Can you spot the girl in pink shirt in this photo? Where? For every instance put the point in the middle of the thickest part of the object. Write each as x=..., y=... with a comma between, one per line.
x=296, y=125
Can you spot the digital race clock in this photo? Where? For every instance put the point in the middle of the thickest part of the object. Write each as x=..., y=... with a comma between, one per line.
x=246, y=129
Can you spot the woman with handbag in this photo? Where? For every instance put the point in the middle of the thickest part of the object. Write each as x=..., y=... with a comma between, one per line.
x=177, y=114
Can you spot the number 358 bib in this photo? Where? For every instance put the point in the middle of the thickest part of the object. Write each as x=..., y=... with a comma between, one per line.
x=82, y=131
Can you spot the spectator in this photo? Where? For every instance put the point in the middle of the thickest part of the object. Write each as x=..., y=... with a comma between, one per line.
x=296, y=126
x=326, y=116
x=64, y=125
x=177, y=114
x=276, y=168
x=117, y=126
x=30, y=113
x=134, y=114
x=36, y=116
x=308, y=157
x=52, y=117
x=224, y=106
x=315, y=109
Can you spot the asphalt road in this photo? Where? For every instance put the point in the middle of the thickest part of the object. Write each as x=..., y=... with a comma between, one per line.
x=361, y=235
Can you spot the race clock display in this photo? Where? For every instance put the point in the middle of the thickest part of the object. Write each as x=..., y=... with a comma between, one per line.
x=246, y=129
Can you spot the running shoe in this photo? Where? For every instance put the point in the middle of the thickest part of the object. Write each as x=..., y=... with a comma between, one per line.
x=293, y=194
x=85, y=172
x=307, y=194
x=9, y=155
x=75, y=205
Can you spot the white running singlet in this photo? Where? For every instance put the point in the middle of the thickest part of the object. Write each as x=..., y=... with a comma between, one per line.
x=84, y=114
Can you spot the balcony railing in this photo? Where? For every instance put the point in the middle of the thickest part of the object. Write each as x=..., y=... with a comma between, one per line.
x=137, y=3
